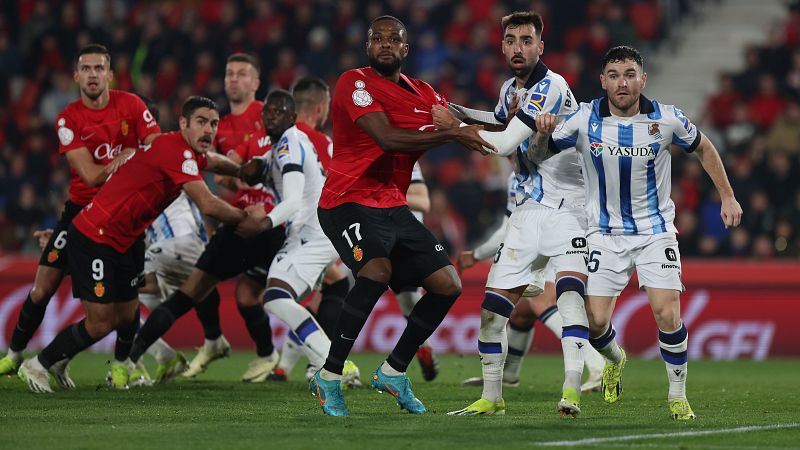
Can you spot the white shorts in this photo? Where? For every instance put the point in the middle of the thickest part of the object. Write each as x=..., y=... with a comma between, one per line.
x=535, y=236
x=172, y=260
x=612, y=259
x=302, y=260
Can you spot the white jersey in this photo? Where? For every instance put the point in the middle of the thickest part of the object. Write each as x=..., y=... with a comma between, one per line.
x=182, y=217
x=416, y=177
x=627, y=163
x=556, y=182
x=294, y=152
x=511, y=203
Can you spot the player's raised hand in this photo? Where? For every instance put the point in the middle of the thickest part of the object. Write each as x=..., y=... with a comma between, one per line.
x=119, y=161
x=465, y=260
x=43, y=237
x=469, y=137
x=546, y=123
x=443, y=119
x=513, y=108
x=731, y=212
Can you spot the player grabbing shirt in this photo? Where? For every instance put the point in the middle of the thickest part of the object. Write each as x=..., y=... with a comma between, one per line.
x=103, y=267
x=381, y=125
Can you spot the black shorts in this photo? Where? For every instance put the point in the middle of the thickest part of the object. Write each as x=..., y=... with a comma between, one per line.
x=228, y=254
x=101, y=274
x=360, y=233
x=55, y=252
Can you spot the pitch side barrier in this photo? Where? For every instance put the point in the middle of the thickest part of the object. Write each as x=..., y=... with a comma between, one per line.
x=733, y=310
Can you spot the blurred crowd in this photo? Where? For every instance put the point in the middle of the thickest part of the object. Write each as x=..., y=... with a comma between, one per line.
x=170, y=50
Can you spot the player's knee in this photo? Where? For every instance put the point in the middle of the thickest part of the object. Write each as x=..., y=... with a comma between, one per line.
x=598, y=322
x=43, y=290
x=99, y=328
x=667, y=318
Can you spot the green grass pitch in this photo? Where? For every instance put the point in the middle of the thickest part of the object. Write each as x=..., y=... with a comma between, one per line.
x=218, y=411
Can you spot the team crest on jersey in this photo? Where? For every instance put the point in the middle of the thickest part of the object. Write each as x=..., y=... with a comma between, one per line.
x=653, y=130
x=358, y=253
x=99, y=289
x=596, y=148
x=246, y=137
x=52, y=256
x=124, y=128
x=361, y=97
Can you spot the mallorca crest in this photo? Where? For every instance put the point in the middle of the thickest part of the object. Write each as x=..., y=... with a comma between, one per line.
x=358, y=254
x=124, y=128
x=99, y=289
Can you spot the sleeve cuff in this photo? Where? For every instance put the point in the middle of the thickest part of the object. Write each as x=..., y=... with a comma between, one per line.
x=527, y=120
x=695, y=143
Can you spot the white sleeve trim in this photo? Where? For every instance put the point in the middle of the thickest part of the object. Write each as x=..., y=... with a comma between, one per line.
x=506, y=142
x=491, y=245
x=291, y=198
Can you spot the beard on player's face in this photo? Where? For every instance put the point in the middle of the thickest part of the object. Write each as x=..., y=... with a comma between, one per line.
x=386, y=68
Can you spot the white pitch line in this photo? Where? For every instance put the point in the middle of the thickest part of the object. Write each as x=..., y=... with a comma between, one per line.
x=635, y=437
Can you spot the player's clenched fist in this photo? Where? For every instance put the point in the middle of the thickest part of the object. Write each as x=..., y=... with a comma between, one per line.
x=731, y=212
x=546, y=123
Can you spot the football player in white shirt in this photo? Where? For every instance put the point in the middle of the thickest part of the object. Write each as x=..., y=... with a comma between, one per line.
x=624, y=140
x=296, y=176
x=538, y=302
x=548, y=225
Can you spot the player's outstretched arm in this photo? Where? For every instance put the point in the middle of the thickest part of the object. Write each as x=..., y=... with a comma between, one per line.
x=540, y=150
x=211, y=205
x=392, y=139
x=222, y=165
x=83, y=164
x=730, y=211
x=453, y=115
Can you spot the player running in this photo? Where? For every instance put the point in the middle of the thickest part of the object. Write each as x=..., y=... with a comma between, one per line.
x=103, y=260
x=624, y=139
x=96, y=133
x=382, y=125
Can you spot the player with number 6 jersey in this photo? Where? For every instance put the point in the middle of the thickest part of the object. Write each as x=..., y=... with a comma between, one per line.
x=95, y=133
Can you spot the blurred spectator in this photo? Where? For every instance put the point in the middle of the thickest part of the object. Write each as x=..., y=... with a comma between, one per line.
x=784, y=137
x=169, y=50
x=58, y=97
x=766, y=105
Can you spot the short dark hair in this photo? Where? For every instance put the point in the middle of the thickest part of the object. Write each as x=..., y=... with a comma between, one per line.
x=245, y=58
x=388, y=17
x=309, y=91
x=194, y=103
x=622, y=53
x=281, y=94
x=518, y=18
x=94, y=49
x=151, y=106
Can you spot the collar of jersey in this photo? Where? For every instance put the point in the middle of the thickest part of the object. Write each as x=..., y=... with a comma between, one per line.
x=645, y=106
x=537, y=75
